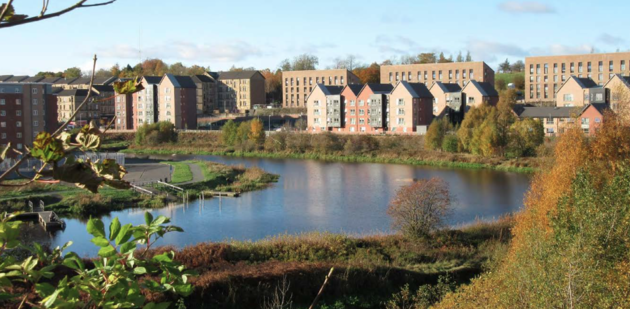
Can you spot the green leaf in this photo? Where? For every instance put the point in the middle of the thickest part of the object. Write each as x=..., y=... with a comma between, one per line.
x=3, y=154
x=50, y=300
x=148, y=218
x=107, y=251
x=125, y=233
x=44, y=289
x=128, y=247
x=47, y=148
x=159, y=220
x=184, y=289
x=139, y=271
x=96, y=228
x=128, y=87
x=114, y=228
x=100, y=241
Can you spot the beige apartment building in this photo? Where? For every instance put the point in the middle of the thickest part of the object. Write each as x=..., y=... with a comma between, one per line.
x=240, y=91
x=578, y=91
x=427, y=73
x=410, y=108
x=297, y=85
x=101, y=109
x=177, y=101
x=544, y=75
x=618, y=91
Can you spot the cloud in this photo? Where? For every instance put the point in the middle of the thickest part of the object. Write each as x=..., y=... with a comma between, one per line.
x=560, y=49
x=229, y=52
x=396, y=44
x=526, y=7
x=610, y=39
x=489, y=51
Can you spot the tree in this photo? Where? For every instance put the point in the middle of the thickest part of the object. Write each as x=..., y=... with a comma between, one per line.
x=72, y=73
x=305, y=62
x=427, y=58
x=442, y=59
x=519, y=81
x=505, y=66
x=177, y=68
x=243, y=132
x=420, y=208
x=500, y=84
x=518, y=66
x=103, y=73
x=228, y=133
x=435, y=134
x=257, y=132
x=525, y=136
x=49, y=74
x=460, y=57
x=195, y=70
x=154, y=67
x=285, y=65
x=371, y=74
x=273, y=84
x=9, y=18
x=468, y=57
x=349, y=63
x=115, y=70
x=387, y=62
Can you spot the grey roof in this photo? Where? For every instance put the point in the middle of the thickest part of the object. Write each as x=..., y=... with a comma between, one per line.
x=333, y=90
x=16, y=79
x=525, y=111
x=237, y=75
x=420, y=90
x=186, y=82
x=73, y=92
x=56, y=90
x=64, y=81
x=50, y=80
x=448, y=87
x=585, y=82
x=486, y=89
x=103, y=88
x=5, y=77
x=153, y=79
x=601, y=107
x=34, y=79
x=355, y=88
x=214, y=75
x=97, y=80
x=202, y=79
x=380, y=88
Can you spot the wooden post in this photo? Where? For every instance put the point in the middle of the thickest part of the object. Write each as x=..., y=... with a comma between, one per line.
x=321, y=290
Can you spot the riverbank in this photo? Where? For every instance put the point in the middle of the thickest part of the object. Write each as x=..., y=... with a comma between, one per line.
x=453, y=162
x=368, y=270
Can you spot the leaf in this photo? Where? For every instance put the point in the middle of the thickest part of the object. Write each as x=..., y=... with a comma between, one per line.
x=128, y=87
x=3, y=154
x=107, y=251
x=139, y=271
x=96, y=228
x=100, y=241
x=81, y=174
x=159, y=220
x=47, y=148
x=109, y=169
x=184, y=289
x=125, y=233
x=44, y=289
x=50, y=300
x=128, y=247
x=114, y=228
x=148, y=218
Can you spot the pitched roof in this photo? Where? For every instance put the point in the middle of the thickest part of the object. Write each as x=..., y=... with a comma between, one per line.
x=417, y=90
x=237, y=75
x=585, y=82
x=16, y=79
x=381, y=88
x=623, y=79
x=186, y=82
x=486, y=89
x=73, y=92
x=64, y=81
x=34, y=79
x=526, y=111
x=327, y=90
x=600, y=107
x=214, y=75
x=447, y=87
x=5, y=77
x=355, y=88
x=50, y=80
x=152, y=79
x=202, y=79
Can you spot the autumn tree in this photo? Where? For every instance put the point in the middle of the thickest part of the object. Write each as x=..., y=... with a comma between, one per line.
x=519, y=81
x=420, y=208
x=525, y=136
x=154, y=67
x=500, y=84
x=435, y=134
x=371, y=74
x=196, y=70
x=177, y=68
x=243, y=132
x=228, y=133
x=115, y=70
x=257, y=132
x=273, y=84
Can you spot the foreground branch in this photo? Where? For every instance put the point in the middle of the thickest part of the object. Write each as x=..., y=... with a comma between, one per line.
x=42, y=15
x=321, y=290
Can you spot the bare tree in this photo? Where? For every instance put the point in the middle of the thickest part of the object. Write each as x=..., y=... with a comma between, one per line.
x=420, y=208
x=8, y=18
x=281, y=298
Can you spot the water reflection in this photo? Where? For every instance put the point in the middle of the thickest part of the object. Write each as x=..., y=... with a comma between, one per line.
x=322, y=196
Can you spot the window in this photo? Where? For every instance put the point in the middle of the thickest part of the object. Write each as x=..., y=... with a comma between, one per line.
x=401, y=111
x=3, y=102
x=546, y=68
x=588, y=67
x=568, y=97
x=3, y=124
x=611, y=66
x=580, y=70
x=538, y=69
x=34, y=101
x=34, y=90
x=18, y=101
x=4, y=136
x=600, y=76
x=390, y=76
x=401, y=121
x=564, y=68
x=440, y=74
x=18, y=124
x=472, y=74
x=18, y=135
x=555, y=68
x=3, y=113
x=600, y=66
x=531, y=69
x=572, y=67
x=19, y=146
x=550, y=130
x=18, y=113
x=623, y=65
x=34, y=112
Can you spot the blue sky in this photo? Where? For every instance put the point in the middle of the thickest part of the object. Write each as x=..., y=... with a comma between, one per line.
x=261, y=33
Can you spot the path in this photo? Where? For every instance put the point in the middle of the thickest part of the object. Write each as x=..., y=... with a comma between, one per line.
x=147, y=172
x=196, y=173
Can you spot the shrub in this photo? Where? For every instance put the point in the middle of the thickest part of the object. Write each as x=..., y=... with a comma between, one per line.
x=156, y=133
x=449, y=144
x=327, y=143
x=420, y=208
x=228, y=135
x=360, y=144
x=435, y=135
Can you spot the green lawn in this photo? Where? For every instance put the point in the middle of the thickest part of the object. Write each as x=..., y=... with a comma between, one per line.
x=508, y=77
x=182, y=172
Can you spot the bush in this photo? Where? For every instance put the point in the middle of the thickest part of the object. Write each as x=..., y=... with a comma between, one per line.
x=360, y=144
x=228, y=136
x=435, y=135
x=156, y=133
x=450, y=143
x=326, y=143
x=420, y=208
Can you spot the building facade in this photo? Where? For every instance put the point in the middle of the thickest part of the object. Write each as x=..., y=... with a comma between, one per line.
x=177, y=101
x=324, y=109
x=444, y=94
x=124, y=112
x=24, y=113
x=545, y=74
x=240, y=91
x=206, y=93
x=618, y=92
x=580, y=91
x=349, y=95
x=410, y=108
x=428, y=73
x=145, y=102
x=476, y=94
x=297, y=85
x=372, y=108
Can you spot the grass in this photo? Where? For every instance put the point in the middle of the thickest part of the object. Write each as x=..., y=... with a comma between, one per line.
x=369, y=269
x=507, y=77
x=342, y=158
x=181, y=172
x=219, y=177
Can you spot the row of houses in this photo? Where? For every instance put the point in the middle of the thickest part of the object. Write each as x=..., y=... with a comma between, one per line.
x=384, y=108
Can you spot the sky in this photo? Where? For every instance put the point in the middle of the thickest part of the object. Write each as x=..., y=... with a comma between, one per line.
x=261, y=33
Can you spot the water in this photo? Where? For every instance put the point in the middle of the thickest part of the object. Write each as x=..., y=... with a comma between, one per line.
x=317, y=196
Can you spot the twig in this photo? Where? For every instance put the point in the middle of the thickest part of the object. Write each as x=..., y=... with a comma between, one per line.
x=321, y=290
x=80, y=4
x=44, y=7
x=5, y=10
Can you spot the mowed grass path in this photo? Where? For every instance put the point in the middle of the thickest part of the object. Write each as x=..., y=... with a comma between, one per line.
x=181, y=172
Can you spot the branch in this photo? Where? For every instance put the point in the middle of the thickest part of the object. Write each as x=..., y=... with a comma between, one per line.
x=5, y=10
x=321, y=290
x=80, y=4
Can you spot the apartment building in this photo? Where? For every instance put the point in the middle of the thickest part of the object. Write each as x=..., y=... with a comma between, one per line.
x=84, y=82
x=324, y=108
x=445, y=94
x=349, y=95
x=580, y=91
x=297, y=85
x=373, y=102
x=206, y=92
x=124, y=112
x=410, y=108
x=476, y=94
x=555, y=119
x=591, y=117
x=145, y=102
x=25, y=110
x=428, y=73
x=545, y=74
x=240, y=91
x=177, y=101
x=618, y=91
